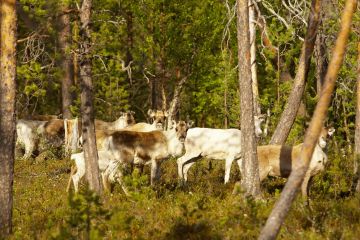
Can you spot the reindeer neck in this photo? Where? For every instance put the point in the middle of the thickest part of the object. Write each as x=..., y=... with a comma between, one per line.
x=119, y=123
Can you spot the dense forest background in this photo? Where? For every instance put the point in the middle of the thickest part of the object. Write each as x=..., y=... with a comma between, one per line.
x=142, y=53
x=142, y=49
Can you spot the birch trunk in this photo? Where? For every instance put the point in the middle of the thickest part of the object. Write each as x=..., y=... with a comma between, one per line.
x=252, y=29
x=175, y=102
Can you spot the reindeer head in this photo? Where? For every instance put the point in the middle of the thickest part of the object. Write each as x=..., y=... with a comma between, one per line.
x=128, y=117
x=158, y=117
x=326, y=132
x=181, y=129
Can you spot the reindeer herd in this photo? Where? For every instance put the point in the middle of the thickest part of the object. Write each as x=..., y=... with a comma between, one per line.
x=126, y=143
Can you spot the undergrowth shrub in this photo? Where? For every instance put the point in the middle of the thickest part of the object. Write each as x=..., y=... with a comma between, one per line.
x=86, y=218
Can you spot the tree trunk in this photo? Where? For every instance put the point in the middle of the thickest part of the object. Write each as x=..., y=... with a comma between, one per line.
x=226, y=111
x=250, y=167
x=282, y=206
x=75, y=56
x=7, y=112
x=175, y=101
x=129, y=40
x=320, y=49
x=321, y=61
x=87, y=110
x=153, y=86
x=252, y=29
x=291, y=108
x=66, y=60
x=357, y=130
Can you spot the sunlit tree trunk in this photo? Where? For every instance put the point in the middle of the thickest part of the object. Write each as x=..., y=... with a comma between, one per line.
x=7, y=112
x=357, y=129
x=66, y=60
x=252, y=28
x=174, y=105
x=282, y=206
x=87, y=96
x=291, y=108
x=250, y=167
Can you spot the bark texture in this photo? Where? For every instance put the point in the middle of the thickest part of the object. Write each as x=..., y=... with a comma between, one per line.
x=321, y=61
x=357, y=130
x=291, y=108
x=87, y=96
x=282, y=206
x=7, y=112
x=252, y=29
x=250, y=167
x=66, y=60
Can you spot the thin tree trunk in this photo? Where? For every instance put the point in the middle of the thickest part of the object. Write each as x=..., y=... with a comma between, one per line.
x=250, y=167
x=7, y=112
x=321, y=59
x=226, y=111
x=129, y=40
x=163, y=95
x=252, y=28
x=153, y=86
x=357, y=130
x=175, y=101
x=75, y=56
x=321, y=62
x=282, y=206
x=87, y=110
x=66, y=60
x=291, y=108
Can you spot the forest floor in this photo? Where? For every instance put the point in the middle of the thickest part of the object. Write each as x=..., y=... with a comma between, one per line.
x=204, y=209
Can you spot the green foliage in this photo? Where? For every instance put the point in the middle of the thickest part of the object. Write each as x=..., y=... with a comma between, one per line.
x=86, y=217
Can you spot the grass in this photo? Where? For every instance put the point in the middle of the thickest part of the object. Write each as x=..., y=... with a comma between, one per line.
x=204, y=209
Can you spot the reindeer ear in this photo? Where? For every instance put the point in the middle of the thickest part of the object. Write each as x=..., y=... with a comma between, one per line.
x=331, y=131
x=190, y=123
x=151, y=113
x=261, y=117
